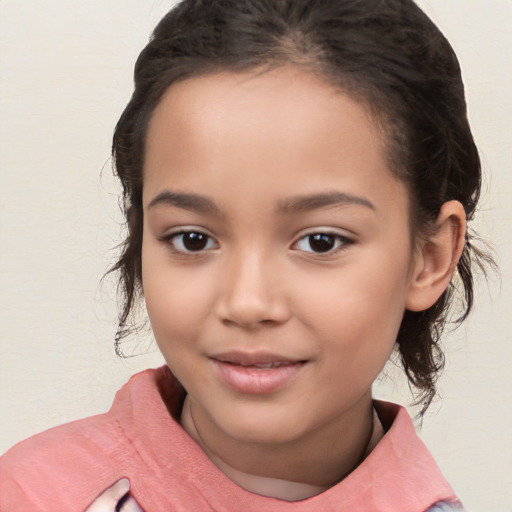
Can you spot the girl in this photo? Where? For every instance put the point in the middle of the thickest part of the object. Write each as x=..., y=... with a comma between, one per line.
x=297, y=179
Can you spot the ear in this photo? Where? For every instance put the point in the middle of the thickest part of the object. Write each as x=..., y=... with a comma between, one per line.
x=437, y=257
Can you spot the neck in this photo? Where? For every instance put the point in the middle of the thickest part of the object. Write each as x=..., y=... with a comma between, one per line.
x=291, y=471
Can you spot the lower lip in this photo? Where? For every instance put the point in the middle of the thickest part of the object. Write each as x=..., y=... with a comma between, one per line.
x=251, y=380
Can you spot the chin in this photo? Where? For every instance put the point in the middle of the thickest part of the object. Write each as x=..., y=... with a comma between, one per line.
x=260, y=427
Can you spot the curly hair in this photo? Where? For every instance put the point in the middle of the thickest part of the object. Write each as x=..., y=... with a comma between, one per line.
x=389, y=56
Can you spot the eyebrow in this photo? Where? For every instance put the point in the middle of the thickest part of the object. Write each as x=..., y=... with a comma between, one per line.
x=192, y=202
x=299, y=204
x=306, y=203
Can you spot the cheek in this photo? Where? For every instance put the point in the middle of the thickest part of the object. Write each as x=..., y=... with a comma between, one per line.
x=176, y=298
x=358, y=298
x=358, y=311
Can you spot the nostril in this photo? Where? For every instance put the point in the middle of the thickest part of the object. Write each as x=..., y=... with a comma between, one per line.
x=247, y=323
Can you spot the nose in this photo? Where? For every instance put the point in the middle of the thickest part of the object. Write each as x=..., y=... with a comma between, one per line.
x=251, y=294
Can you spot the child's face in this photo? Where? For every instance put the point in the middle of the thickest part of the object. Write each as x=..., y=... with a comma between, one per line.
x=252, y=167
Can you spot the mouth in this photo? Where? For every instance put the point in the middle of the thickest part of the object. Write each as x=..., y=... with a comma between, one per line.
x=258, y=359
x=263, y=366
x=256, y=373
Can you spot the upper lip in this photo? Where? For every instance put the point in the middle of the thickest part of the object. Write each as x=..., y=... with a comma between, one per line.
x=253, y=358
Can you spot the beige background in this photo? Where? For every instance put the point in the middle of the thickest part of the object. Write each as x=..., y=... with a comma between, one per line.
x=65, y=76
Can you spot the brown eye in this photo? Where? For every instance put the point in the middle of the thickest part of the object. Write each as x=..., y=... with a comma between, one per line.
x=191, y=241
x=320, y=243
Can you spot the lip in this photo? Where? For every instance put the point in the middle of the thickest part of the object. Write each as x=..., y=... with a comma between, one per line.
x=255, y=373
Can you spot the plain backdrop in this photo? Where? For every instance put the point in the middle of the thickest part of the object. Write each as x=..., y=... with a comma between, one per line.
x=66, y=74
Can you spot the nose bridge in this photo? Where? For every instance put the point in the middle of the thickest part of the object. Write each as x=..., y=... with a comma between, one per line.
x=250, y=291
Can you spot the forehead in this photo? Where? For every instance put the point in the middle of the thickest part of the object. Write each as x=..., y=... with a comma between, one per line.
x=294, y=96
x=275, y=130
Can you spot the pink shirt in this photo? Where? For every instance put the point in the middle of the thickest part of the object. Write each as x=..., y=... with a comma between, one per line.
x=68, y=467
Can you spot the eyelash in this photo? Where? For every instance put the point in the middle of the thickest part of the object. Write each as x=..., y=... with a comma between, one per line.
x=341, y=242
x=170, y=239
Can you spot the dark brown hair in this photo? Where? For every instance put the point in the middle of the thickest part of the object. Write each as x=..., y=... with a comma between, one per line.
x=385, y=53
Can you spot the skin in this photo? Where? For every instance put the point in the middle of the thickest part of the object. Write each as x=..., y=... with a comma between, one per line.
x=253, y=145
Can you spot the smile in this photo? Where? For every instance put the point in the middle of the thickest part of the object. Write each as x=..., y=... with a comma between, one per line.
x=255, y=373
x=265, y=366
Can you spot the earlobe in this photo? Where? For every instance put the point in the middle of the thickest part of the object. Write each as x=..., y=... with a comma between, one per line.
x=437, y=257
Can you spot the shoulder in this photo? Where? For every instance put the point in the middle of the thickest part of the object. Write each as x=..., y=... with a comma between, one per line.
x=57, y=444
x=63, y=460
x=407, y=471
x=66, y=467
